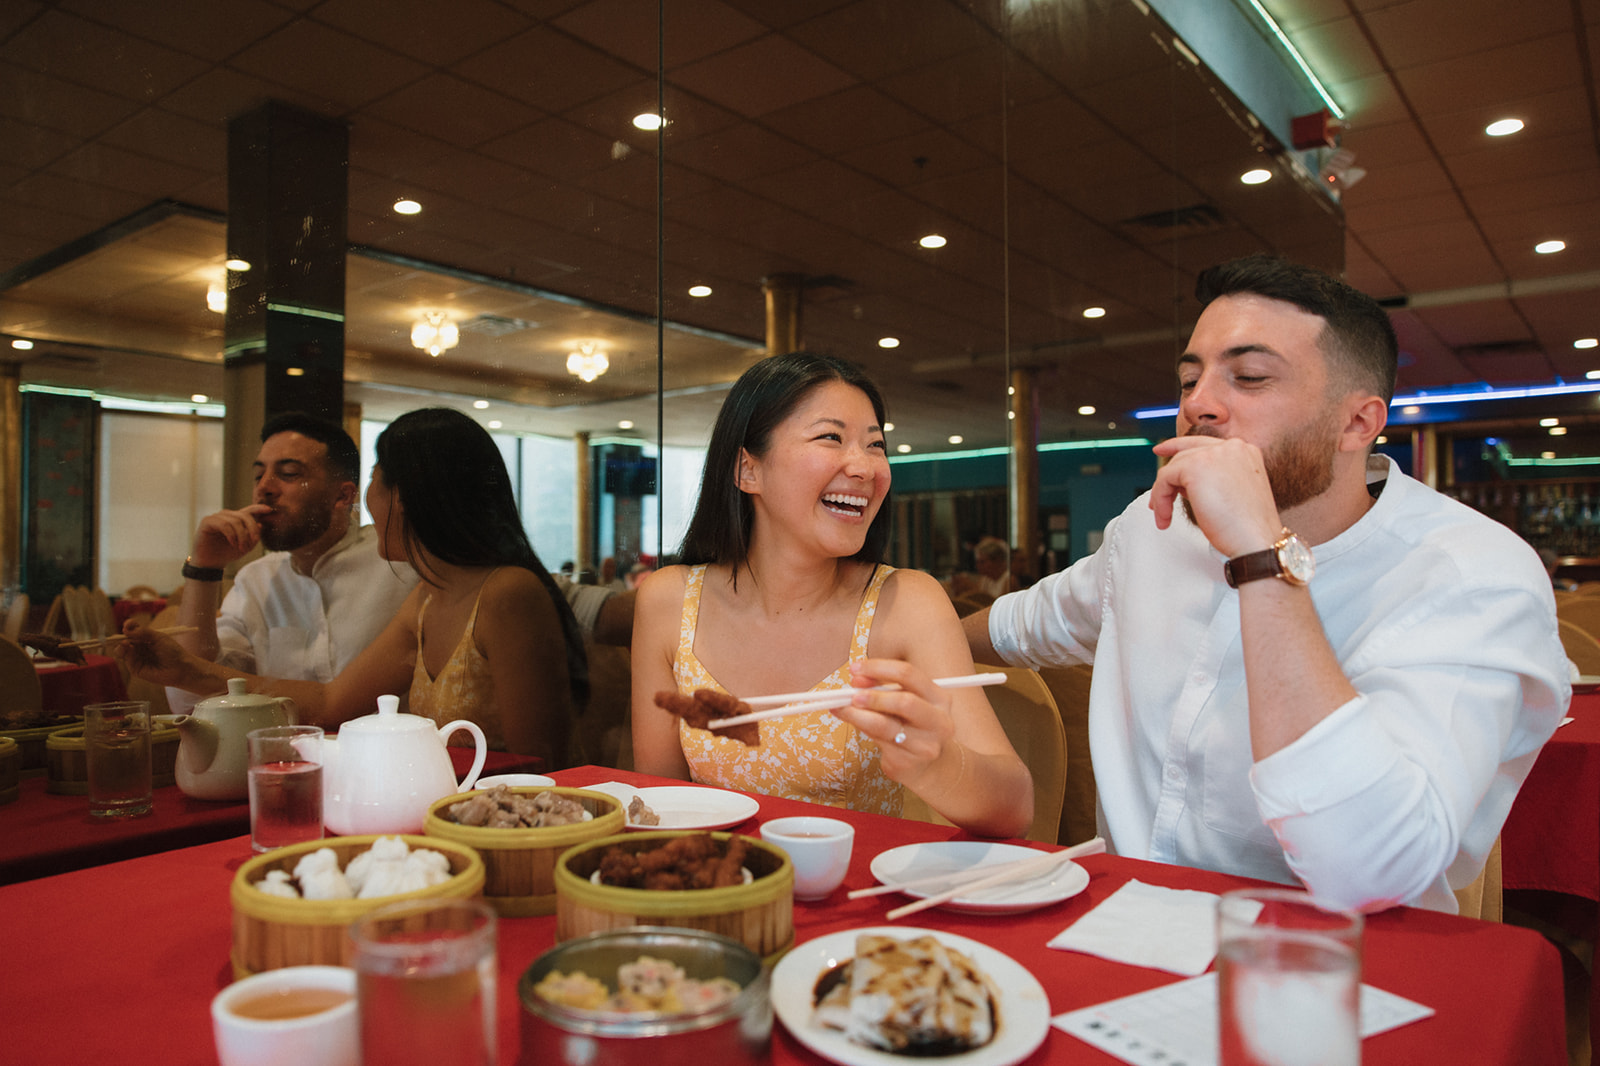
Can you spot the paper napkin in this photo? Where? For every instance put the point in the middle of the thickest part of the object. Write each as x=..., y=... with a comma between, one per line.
x=616, y=790
x=1170, y=929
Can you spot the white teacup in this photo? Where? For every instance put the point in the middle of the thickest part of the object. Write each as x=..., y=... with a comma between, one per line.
x=819, y=848
x=516, y=781
x=300, y=1014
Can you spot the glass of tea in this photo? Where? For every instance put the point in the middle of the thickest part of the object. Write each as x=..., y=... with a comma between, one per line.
x=285, y=785
x=116, y=741
x=425, y=983
x=300, y=1014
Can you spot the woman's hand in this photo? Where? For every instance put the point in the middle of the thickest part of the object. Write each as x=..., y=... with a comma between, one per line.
x=913, y=726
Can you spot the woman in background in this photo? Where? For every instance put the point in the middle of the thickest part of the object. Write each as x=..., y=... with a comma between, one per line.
x=485, y=635
x=784, y=589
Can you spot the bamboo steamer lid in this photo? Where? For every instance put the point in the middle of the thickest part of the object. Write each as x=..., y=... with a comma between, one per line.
x=270, y=932
x=519, y=864
x=67, y=760
x=759, y=915
x=10, y=770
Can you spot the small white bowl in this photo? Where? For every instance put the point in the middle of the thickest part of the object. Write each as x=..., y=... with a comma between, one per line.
x=516, y=781
x=326, y=1038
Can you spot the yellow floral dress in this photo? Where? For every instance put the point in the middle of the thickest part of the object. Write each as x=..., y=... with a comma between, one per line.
x=463, y=689
x=814, y=757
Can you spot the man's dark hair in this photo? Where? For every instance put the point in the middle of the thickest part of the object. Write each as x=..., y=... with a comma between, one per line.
x=1358, y=338
x=344, y=459
x=764, y=396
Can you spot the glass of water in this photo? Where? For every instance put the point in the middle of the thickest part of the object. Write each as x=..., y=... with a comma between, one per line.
x=1289, y=980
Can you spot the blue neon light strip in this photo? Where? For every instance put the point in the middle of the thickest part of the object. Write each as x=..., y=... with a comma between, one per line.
x=1294, y=54
x=1481, y=394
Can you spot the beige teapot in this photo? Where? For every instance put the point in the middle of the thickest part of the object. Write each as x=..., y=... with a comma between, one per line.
x=213, y=758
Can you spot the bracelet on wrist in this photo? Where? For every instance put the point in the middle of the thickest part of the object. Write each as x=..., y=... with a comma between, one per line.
x=192, y=572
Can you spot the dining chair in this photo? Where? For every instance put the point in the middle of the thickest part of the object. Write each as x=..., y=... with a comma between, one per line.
x=141, y=592
x=75, y=600
x=54, y=616
x=19, y=681
x=1581, y=648
x=1028, y=713
x=16, y=616
x=1483, y=899
x=1588, y=588
x=1582, y=611
x=103, y=619
x=1070, y=687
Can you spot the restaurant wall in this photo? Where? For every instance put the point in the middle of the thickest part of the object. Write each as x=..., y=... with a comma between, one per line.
x=158, y=476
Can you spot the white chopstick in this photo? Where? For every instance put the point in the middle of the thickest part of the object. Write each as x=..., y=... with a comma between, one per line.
x=1023, y=871
x=117, y=638
x=965, y=878
x=802, y=702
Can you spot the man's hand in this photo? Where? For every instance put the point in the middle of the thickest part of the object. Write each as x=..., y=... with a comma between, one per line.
x=1225, y=482
x=227, y=535
x=158, y=659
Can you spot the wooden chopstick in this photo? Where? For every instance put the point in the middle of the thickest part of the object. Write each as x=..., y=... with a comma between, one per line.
x=1022, y=871
x=95, y=642
x=963, y=878
x=804, y=702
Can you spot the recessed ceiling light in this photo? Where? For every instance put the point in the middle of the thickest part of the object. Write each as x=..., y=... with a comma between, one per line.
x=648, y=120
x=241, y=265
x=888, y=427
x=626, y=423
x=1011, y=416
x=699, y=291
x=21, y=345
x=199, y=397
x=1549, y=247
x=494, y=423
x=404, y=206
x=1256, y=177
x=933, y=240
x=1504, y=127
x=888, y=342
x=1586, y=342
x=482, y=405
x=902, y=448
x=1413, y=409
x=1558, y=431
x=1593, y=375
x=955, y=438
x=1547, y=455
x=1086, y=409
x=1549, y=421
x=217, y=299
x=295, y=372
x=1094, y=312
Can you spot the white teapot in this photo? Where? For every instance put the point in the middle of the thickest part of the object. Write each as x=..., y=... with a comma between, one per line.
x=213, y=757
x=385, y=770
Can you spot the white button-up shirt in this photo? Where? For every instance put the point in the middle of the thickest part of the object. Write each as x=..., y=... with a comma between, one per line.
x=1442, y=619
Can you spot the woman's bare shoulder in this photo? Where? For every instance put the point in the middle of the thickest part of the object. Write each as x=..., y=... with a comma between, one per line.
x=914, y=590
x=513, y=590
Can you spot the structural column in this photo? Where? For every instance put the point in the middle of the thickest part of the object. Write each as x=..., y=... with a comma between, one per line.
x=783, y=312
x=10, y=474
x=1425, y=456
x=1022, y=465
x=583, y=507
x=284, y=333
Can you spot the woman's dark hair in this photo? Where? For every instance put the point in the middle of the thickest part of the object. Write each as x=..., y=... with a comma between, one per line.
x=764, y=396
x=459, y=505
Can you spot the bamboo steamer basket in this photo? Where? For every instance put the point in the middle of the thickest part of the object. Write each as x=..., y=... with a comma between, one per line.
x=10, y=770
x=270, y=932
x=31, y=743
x=519, y=864
x=759, y=915
x=67, y=758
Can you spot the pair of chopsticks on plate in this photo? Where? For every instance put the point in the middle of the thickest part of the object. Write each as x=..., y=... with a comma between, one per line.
x=117, y=638
x=963, y=882
x=787, y=703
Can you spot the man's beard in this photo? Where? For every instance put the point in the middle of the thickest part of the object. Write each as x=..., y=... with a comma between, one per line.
x=1299, y=467
x=287, y=534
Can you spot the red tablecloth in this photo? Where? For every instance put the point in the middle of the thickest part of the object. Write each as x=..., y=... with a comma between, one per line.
x=1496, y=989
x=66, y=688
x=1551, y=840
x=124, y=609
x=44, y=833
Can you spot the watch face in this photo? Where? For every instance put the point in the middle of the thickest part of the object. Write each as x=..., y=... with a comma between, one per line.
x=1298, y=563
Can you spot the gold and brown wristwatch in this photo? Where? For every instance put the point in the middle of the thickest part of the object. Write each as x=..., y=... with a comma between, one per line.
x=1289, y=560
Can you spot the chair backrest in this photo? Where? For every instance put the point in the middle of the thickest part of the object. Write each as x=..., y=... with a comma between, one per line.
x=54, y=616
x=1581, y=611
x=1029, y=716
x=19, y=681
x=1070, y=687
x=102, y=618
x=75, y=601
x=141, y=592
x=16, y=616
x=1581, y=648
x=1483, y=898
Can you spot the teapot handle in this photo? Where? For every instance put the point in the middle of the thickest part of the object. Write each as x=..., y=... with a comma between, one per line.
x=483, y=749
x=293, y=709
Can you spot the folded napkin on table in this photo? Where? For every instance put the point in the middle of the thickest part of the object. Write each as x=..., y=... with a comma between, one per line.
x=1168, y=929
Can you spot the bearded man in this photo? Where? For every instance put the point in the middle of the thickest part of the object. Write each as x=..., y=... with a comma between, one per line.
x=321, y=593
x=1317, y=671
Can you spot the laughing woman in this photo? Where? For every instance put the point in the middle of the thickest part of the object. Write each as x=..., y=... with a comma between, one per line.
x=784, y=589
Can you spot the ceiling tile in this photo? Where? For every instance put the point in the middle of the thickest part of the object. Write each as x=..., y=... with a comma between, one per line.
x=338, y=70
x=432, y=33
x=763, y=76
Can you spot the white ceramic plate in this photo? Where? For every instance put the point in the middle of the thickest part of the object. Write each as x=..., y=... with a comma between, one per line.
x=1024, y=1008
x=515, y=781
x=959, y=856
x=691, y=807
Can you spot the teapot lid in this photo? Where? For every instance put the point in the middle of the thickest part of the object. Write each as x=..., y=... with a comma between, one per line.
x=238, y=696
x=389, y=720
